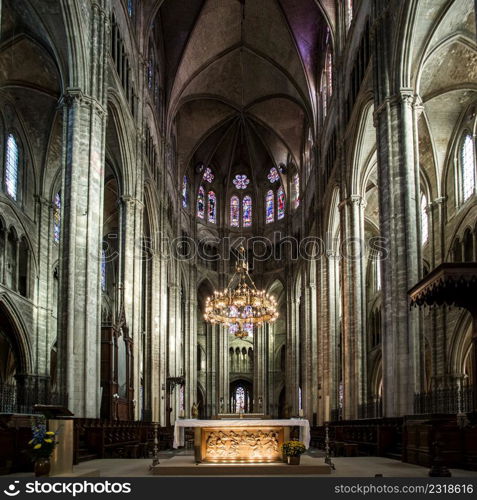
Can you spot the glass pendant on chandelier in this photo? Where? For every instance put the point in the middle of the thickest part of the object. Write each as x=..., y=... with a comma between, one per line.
x=241, y=304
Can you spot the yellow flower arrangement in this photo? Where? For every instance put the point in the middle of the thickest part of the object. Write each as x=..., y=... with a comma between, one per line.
x=43, y=442
x=293, y=448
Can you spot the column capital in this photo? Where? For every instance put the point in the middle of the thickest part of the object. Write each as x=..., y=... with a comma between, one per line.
x=355, y=200
x=405, y=96
x=131, y=202
x=76, y=97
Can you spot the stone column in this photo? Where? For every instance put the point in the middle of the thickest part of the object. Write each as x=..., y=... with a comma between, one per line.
x=211, y=367
x=398, y=176
x=223, y=370
x=311, y=359
x=293, y=353
x=174, y=341
x=45, y=330
x=3, y=271
x=79, y=339
x=354, y=311
x=269, y=404
x=191, y=351
x=260, y=372
x=80, y=297
x=131, y=278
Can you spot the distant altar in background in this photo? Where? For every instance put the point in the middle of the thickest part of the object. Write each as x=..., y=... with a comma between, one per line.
x=246, y=416
x=239, y=440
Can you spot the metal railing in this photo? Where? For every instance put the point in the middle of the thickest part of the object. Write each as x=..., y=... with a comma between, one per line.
x=20, y=399
x=446, y=400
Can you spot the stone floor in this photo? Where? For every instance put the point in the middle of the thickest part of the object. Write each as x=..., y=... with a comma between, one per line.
x=345, y=467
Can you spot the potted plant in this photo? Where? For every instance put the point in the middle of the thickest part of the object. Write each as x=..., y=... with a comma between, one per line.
x=43, y=444
x=293, y=450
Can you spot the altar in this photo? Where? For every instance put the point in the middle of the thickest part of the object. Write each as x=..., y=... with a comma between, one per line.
x=240, y=440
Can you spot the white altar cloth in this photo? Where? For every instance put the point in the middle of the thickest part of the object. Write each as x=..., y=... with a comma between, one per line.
x=181, y=424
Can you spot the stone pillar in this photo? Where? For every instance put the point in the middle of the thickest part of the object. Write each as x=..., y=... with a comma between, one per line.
x=270, y=403
x=223, y=370
x=3, y=275
x=398, y=176
x=260, y=372
x=191, y=350
x=354, y=311
x=46, y=325
x=311, y=358
x=211, y=367
x=292, y=381
x=79, y=340
x=131, y=278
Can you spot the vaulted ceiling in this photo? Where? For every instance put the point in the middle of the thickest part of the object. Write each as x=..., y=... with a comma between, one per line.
x=240, y=79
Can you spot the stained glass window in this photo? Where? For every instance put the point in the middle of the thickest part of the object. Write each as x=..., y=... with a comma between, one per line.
x=185, y=193
x=424, y=220
x=349, y=13
x=300, y=399
x=233, y=311
x=239, y=399
x=181, y=398
x=247, y=211
x=201, y=203
x=103, y=270
x=270, y=207
x=208, y=175
x=241, y=181
x=11, y=166
x=296, y=191
x=234, y=211
x=130, y=7
x=150, y=73
x=248, y=327
x=212, y=207
x=247, y=312
x=57, y=217
x=378, y=273
x=467, y=166
x=273, y=176
x=280, y=203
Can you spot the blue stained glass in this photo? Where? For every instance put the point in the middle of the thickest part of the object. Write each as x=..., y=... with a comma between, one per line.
x=185, y=194
x=239, y=399
x=201, y=203
x=234, y=211
x=208, y=175
x=270, y=207
x=273, y=176
x=247, y=211
x=296, y=191
x=468, y=166
x=57, y=217
x=212, y=207
x=11, y=166
x=130, y=8
x=150, y=73
x=103, y=270
x=280, y=203
x=241, y=181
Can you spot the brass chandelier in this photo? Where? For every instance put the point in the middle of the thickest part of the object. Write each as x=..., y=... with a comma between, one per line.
x=241, y=304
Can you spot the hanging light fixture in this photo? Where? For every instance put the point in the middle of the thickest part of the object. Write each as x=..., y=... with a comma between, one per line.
x=241, y=304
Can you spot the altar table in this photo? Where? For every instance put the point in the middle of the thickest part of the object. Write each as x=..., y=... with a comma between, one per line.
x=236, y=439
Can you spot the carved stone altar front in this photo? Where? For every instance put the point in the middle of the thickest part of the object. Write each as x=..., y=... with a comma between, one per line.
x=239, y=444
